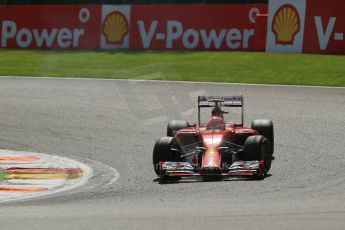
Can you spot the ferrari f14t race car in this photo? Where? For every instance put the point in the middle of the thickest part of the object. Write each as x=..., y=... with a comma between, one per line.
x=217, y=148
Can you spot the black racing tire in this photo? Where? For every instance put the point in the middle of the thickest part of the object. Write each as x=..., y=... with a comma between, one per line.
x=176, y=125
x=257, y=148
x=162, y=152
x=265, y=128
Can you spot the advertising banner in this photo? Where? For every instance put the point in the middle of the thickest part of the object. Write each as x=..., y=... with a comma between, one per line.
x=325, y=27
x=58, y=27
x=308, y=26
x=115, y=26
x=194, y=27
x=176, y=27
x=285, y=27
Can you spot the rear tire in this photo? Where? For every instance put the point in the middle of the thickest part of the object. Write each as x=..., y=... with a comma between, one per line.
x=175, y=125
x=162, y=152
x=265, y=128
x=257, y=148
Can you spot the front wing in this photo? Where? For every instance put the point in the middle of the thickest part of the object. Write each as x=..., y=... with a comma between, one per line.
x=236, y=169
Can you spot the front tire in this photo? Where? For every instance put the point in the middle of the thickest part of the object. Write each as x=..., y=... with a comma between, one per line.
x=174, y=126
x=257, y=148
x=162, y=152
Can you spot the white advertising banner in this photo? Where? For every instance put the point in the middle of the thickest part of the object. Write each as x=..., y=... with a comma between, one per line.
x=115, y=26
x=285, y=27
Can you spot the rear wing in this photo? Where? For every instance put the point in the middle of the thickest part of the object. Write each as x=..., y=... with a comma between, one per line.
x=226, y=101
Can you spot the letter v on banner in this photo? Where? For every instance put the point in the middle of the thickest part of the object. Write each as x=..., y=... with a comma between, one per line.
x=324, y=27
x=285, y=27
x=324, y=34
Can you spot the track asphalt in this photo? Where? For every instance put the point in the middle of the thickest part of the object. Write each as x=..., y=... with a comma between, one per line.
x=114, y=124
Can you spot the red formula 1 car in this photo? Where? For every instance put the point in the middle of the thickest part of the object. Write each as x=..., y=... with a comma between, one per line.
x=216, y=149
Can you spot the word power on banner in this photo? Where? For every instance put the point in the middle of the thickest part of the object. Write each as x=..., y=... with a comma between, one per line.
x=57, y=27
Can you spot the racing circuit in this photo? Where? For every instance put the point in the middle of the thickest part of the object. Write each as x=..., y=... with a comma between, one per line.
x=111, y=126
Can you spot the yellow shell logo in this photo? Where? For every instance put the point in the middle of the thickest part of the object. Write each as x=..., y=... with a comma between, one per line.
x=286, y=24
x=115, y=28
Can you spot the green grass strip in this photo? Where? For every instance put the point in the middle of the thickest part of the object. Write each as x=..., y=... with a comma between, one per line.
x=2, y=174
x=234, y=67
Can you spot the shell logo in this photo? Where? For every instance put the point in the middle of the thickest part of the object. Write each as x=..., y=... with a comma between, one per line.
x=286, y=24
x=115, y=28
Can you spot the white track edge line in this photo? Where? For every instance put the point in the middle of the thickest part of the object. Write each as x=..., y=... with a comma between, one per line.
x=177, y=81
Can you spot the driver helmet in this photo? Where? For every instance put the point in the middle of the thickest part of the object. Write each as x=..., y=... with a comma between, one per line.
x=217, y=112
